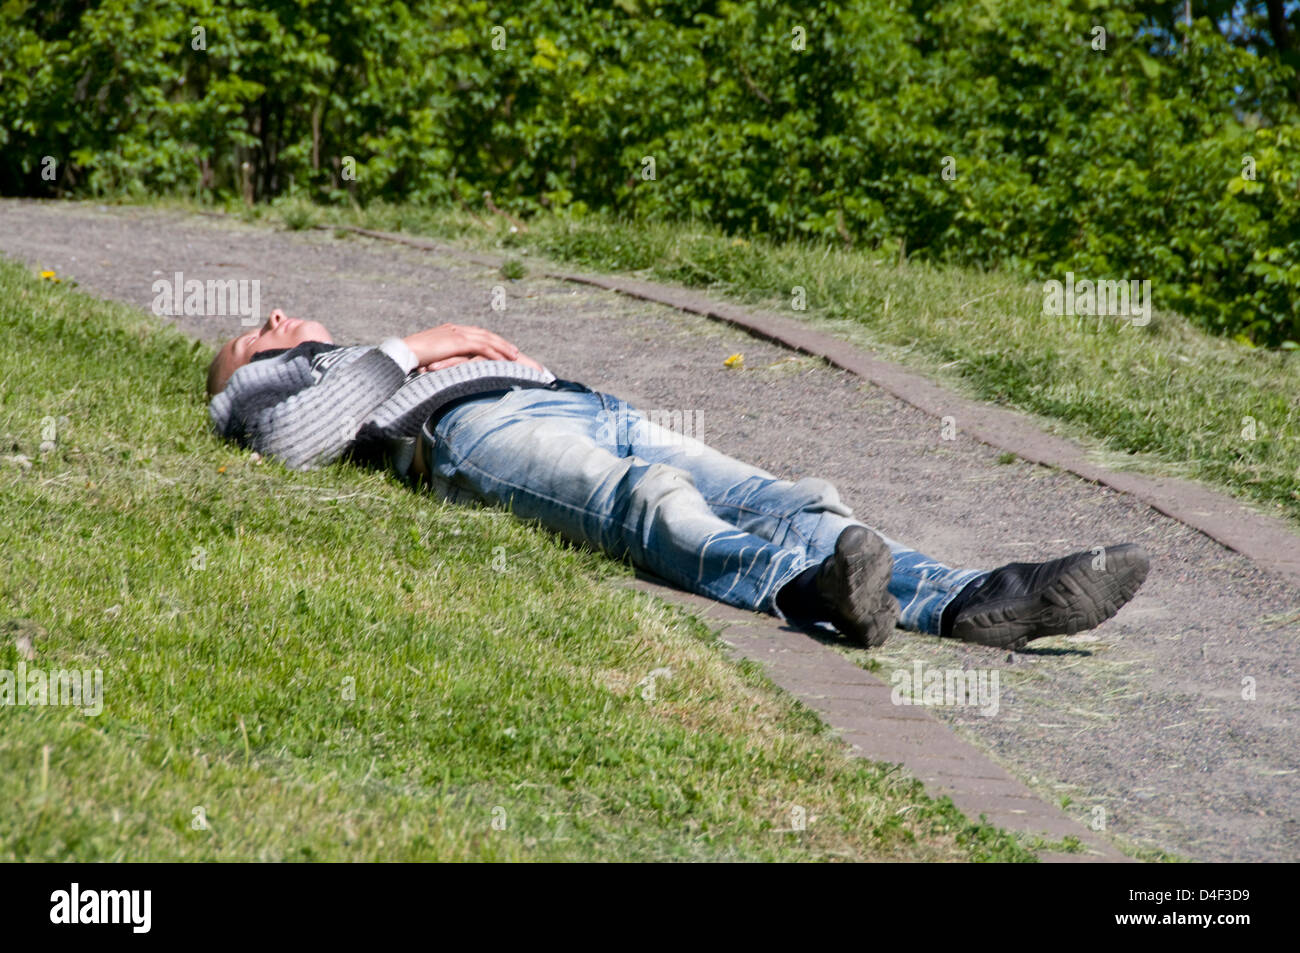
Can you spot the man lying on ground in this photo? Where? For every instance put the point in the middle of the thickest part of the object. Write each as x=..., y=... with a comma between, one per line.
x=464, y=411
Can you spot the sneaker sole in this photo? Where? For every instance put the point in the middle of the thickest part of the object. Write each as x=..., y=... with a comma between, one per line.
x=1081, y=598
x=869, y=566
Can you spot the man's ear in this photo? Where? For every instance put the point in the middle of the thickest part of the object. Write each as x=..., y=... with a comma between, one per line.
x=215, y=381
x=219, y=370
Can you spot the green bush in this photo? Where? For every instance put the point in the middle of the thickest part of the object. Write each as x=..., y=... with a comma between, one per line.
x=834, y=121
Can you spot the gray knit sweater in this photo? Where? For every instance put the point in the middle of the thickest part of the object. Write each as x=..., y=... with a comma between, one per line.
x=310, y=411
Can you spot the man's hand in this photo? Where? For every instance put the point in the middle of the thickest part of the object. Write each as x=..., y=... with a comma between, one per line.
x=451, y=344
x=450, y=361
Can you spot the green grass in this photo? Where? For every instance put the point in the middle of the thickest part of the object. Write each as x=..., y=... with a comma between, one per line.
x=1165, y=399
x=329, y=666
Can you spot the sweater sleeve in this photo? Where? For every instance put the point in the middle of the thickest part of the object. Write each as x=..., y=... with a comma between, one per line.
x=314, y=426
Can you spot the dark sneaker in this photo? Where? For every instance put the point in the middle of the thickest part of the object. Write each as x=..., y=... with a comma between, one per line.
x=1024, y=601
x=854, y=582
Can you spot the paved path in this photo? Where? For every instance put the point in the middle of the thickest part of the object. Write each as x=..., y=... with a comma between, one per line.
x=1140, y=724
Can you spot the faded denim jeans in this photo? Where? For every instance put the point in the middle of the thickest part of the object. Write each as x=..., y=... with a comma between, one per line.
x=593, y=469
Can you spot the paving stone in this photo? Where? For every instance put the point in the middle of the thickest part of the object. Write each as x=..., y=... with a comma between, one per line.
x=1004, y=787
x=962, y=767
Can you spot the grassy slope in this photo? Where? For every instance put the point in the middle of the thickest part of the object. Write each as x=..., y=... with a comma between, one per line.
x=231, y=604
x=1164, y=398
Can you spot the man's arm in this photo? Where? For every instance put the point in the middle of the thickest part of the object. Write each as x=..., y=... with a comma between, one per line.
x=450, y=344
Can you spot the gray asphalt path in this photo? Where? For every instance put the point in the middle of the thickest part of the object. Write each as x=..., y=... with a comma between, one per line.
x=1140, y=726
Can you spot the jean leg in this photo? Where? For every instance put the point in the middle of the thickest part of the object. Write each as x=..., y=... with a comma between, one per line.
x=805, y=514
x=924, y=586
x=550, y=457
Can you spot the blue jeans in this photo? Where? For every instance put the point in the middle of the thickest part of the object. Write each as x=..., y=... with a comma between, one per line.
x=590, y=467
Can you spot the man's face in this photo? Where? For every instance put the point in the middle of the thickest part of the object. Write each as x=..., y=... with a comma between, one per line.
x=280, y=331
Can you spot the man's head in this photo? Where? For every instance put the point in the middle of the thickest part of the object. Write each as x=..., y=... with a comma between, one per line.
x=280, y=331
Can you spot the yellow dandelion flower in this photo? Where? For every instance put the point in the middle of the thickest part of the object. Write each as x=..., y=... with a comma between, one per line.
x=735, y=361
